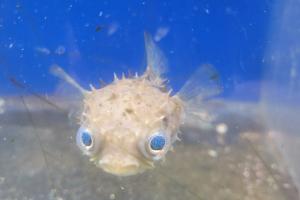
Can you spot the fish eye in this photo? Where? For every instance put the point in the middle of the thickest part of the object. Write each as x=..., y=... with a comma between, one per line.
x=156, y=146
x=86, y=141
x=157, y=142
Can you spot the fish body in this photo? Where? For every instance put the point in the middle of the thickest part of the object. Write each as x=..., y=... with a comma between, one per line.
x=123, y=116
x=129, y=125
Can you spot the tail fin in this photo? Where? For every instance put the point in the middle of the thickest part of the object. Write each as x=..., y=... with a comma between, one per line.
x=203, y=84
x=197, y=94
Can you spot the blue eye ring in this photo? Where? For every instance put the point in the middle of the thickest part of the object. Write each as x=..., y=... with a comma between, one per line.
x=157, y=142
x=88, y=142
x=155, y=146
x=84, y=139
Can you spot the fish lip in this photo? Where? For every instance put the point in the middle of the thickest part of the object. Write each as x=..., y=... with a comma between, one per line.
x=120, y=166
x=123, y=172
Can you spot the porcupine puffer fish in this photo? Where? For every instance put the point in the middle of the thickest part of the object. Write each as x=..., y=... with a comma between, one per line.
x=130, y=124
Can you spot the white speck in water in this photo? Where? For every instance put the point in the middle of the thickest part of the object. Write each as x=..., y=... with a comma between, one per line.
x=43, y=50
x=161, y=32
x=212, y=153
x=2, y=104
x=246, y=173
x=293, y=72
x=2, y=179
x=11, y=45
x=112, y=29
x=70, y=7
x=222, y=128
x=112, y=196
x=53, y=195
x=207, y=11
x=274, y=166
x=60, y=50
x=286, y=185
x=100, y=14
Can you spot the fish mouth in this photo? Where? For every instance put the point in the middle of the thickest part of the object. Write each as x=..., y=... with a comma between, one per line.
x=121, y=171
x=124, y=166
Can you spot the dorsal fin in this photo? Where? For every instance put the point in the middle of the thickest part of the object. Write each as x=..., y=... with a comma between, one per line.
x=156, y=61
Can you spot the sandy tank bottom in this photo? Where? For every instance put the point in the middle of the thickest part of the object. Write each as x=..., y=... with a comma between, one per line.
x=233, y=159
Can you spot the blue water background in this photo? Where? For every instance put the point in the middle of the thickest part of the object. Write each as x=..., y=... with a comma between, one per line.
x=231, y=35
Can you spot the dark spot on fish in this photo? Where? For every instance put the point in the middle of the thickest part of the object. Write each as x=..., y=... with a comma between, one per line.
x=165, y=121
x=112, y=97
x=12, y=140
x=129, y=110
x=138, y=97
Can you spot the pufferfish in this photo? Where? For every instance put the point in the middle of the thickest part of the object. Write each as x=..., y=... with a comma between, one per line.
x=129, y=125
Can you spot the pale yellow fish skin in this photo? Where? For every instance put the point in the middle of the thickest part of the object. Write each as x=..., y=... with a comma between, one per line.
x=123, y=115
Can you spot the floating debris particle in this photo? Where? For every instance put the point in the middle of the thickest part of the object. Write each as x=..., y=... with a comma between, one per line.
x=112, y=196
x=2, y=179
x=246, y=172
x=221, y=128
x=112, y=29
x=286, y=186
x=53, y=195
x=207, y=11
x=212, y=153
x=99, y=28
x=161, y=32
x=43, y=50
x=11, y=45
x=60, y=50
x=2, y=104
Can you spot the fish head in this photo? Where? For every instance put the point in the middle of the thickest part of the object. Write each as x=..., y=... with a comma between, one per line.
x=128, y=126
